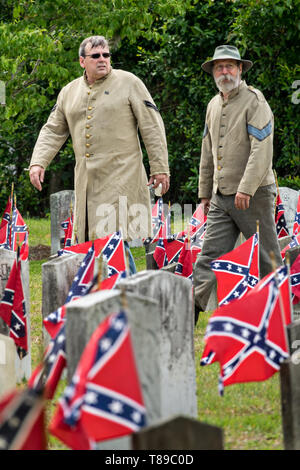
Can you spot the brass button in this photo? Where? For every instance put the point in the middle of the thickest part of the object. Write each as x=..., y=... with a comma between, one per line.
x=87, y=155
x=88, y=92
x=219, y=157
x=219, y=167
x=87, y=126
x=87, y=145
x=89, y=117
x=88, y=135
x=90, y=107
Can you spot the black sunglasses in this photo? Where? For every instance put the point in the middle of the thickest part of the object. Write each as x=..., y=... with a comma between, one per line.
x=96, y=56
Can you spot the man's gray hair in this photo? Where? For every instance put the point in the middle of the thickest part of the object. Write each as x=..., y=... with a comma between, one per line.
x=95, y=42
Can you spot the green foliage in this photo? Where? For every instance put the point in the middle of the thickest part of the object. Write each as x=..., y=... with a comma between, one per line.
x=164, y=43
x=268, y=32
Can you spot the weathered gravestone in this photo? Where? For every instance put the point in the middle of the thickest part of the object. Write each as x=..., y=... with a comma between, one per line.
x=60, y=203
x=7, y=364
x=289, y=199
x=160, y=313
x=293, y=253
x=179, y=433
x=57, y=277
x=7, y=258
x=290, y=390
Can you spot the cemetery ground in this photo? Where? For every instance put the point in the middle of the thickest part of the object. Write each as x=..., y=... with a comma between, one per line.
x=249, y=414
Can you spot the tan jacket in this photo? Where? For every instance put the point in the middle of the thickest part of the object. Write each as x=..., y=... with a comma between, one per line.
x=103, y=121
x=237, y=145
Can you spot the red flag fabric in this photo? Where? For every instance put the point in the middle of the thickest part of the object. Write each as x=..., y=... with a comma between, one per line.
x=80, y=286
x=186, y=260
x=168, y=248
x=24, y=250
x=247, y=337
x=22, y=421
x=280, y=222
x=237, y=271
x=67, y=226
x=54, y=321
x=5, y=222
x=13, y=230
x=18, y=230
x=111, y=247
x=296, y=226
x=13, y=310
x=198, y=222
x=158, y=220
x=160, y=254
x=104, y=399
x=48, y=373
x=282, y=279
x=295, y=280
x=294, y=242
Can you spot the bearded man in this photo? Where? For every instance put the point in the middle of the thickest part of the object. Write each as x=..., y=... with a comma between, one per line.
x=236, y=180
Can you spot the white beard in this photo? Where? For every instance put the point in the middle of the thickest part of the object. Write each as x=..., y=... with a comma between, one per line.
x=227, y=86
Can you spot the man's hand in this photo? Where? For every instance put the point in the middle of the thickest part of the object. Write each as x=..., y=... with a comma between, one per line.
x=206, y=204
x=162, y=178
x=36, y=175
x=242, y=201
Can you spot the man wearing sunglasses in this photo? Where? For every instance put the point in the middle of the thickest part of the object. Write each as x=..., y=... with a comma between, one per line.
x=103, y=111
x=236, y=181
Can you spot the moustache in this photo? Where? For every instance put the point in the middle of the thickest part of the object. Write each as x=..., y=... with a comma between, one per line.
x=224, y=77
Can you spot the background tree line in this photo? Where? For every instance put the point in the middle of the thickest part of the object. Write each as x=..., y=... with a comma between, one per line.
x=164, y=43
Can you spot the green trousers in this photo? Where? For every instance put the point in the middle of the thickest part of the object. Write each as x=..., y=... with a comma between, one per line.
x=224, y=225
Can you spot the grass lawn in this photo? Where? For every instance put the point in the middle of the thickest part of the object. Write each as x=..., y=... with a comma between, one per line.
x=250, y=414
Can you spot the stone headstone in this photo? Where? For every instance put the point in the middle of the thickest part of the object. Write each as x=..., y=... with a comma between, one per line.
x=137, y=243
x=284, y=241
x=293, y=253
x=175, y=297
x=289, y=199
x=8, y=377
x=170, y=268
x=290, y=390
x=150, y=261
x=60, y=211
x=7, y=258
x=161, y=318
x=57, y=277
x=179, y=433
x=290, y=404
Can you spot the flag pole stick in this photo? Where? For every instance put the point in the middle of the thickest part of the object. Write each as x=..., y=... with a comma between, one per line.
x=281, y=307
x=288, y=265
x=123, y=298
x=127, y=262
x=257, y=230
x=277, y=186
x=100, y=264
x=276, y=181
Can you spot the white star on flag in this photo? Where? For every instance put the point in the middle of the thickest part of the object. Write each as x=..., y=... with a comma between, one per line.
x=116, y=407
x=105, y=344
x=91, y=397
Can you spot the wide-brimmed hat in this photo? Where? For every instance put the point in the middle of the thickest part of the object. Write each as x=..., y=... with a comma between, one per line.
x=226, y=52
